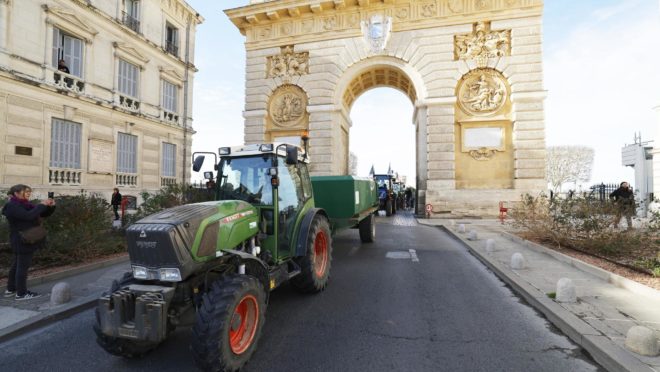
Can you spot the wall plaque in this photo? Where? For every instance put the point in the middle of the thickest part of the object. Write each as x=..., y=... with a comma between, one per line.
x=100, y=156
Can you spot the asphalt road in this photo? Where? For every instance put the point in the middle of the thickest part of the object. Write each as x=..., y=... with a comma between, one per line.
x=387, y=308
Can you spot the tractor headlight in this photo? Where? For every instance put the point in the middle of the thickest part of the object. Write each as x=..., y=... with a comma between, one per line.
x=170, y=275
x=224, y=151
x=266, y=147
x=140, y=272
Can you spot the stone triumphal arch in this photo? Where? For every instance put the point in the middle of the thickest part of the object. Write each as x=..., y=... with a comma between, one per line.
x=471, y=68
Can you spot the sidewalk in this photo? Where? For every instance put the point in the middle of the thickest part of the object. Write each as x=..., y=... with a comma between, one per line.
x=607, y=307
x=87, y=284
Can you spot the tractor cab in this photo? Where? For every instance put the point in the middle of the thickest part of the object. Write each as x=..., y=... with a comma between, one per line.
x=274, y=179
x=386, y=193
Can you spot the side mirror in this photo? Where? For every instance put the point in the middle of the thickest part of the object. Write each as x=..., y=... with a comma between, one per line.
x=291, y=154
x=197, y=164
x=208, y=175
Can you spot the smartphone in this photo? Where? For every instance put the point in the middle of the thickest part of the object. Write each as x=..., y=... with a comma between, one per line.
x=51, y=195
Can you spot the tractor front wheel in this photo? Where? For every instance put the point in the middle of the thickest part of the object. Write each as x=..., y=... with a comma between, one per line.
x=388, y=207
x=315, y=265
x=229, y=323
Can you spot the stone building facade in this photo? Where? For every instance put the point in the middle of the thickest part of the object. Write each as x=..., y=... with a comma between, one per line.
x=472, y=69
x=96, y=94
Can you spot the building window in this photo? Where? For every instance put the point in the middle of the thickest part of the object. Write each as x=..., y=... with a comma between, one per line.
x=171, y=39
x=131, y=15
x=169, y=160
x=129, y=74
x=65, y=139
x=69, y=49
x=126, y=153
x=170, y=96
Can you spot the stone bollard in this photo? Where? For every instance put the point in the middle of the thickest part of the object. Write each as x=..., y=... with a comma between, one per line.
x=461, y=228
x=565, y=291
x=472, y=235
x=518, y=261
x=60, y=294
x=642, y=340
x=490, y=245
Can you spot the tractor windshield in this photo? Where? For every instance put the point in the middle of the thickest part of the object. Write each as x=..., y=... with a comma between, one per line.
x=247, y=179
x=383, y=181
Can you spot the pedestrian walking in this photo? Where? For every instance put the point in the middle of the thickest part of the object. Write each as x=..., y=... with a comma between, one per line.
x=26, y=236
x=115, y=202
x=624, y=200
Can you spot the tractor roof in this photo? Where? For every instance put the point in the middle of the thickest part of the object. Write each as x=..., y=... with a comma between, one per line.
x=260, y=149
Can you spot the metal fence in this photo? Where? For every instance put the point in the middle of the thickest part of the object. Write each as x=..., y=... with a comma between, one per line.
x=602, y=192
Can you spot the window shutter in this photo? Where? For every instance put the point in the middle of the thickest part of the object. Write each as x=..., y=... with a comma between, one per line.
x=65, y=144
x=56, y=46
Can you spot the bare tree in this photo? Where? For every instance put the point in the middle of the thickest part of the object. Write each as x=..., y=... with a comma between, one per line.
x=568, y=164
x=352, y=164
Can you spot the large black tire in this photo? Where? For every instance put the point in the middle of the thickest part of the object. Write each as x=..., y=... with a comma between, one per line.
x=368, y=229
x=388, y=207
x=229, y=323
x=315, y=264
x=120, y=346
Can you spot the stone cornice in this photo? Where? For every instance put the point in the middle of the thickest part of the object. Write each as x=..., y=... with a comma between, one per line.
x=275, y=23
x=181, y=10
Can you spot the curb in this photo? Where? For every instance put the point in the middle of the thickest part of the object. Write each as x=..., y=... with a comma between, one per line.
x=48, y=317
x=73, y=271
x=605, y=352
x=605, y=275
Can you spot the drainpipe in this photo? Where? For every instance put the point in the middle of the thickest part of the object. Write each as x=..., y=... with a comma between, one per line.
x=185, y=103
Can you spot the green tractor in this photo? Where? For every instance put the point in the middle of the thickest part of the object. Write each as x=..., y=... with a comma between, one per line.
x=212, y=265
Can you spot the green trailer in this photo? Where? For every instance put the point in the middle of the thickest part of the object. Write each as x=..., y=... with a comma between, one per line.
x=350, y=202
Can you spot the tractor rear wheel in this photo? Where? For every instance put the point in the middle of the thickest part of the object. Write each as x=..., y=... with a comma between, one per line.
x=368, y=229
x=388, y=207
x=315, y=264
x=229, y=323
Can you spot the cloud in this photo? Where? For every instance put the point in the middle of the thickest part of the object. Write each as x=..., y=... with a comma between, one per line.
x=603, y=84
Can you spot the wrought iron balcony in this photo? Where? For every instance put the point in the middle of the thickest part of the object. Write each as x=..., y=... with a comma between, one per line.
x=130, y=22
x=68, y=82
x=172, y=48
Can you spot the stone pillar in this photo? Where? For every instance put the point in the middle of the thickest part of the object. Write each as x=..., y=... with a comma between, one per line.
x=328, y=136
x=529, y=141
x=421, y=157
x=255, y=125
x=656, y=158
x=441, y=152
x=4, y=30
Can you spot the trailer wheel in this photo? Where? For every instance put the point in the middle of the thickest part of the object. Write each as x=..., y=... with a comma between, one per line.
x=388, y=208
x=229, y=323
x=315, y=265
x=367, y=229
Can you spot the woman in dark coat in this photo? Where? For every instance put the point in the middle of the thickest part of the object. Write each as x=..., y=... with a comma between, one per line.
x=23, y=215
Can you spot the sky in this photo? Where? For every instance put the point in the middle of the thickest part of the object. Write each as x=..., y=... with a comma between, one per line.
x=600, y=60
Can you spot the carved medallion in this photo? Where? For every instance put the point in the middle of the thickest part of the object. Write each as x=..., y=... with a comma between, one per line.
x=287, y=107
x=402, y=13
x=482, y=44
x=376, y=32
x=353, y=20
x=329, y=23
x=428, y=10
x=482, y=92
x=287, y=63
x=286, y=29
x=456, y=6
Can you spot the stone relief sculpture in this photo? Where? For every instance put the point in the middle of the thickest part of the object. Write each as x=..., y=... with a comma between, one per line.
x=376, y=32
x=482, y=44
x=482, y=92
x=482, y=154
x=287, y=106
x=287, y=63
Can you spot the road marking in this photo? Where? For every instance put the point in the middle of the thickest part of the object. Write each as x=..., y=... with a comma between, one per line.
x=413, y=255
x=398, y=255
